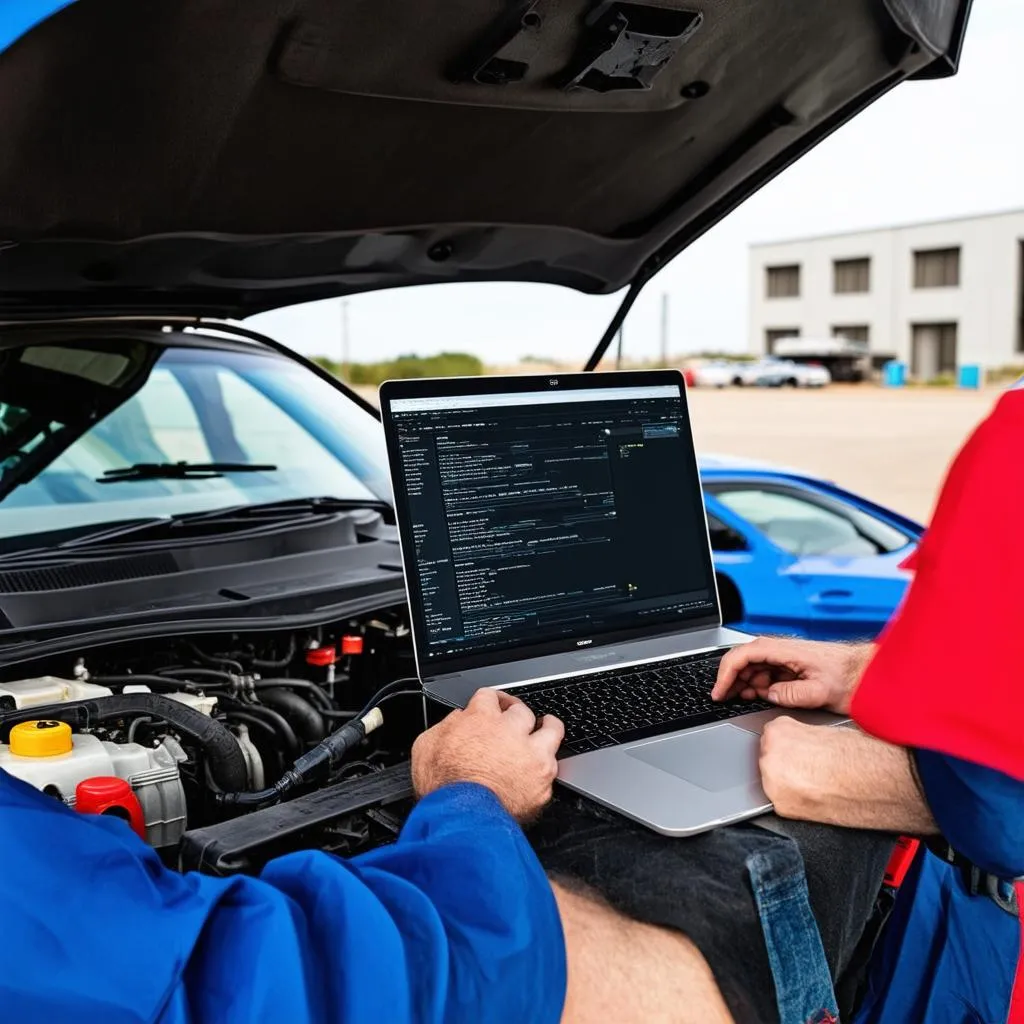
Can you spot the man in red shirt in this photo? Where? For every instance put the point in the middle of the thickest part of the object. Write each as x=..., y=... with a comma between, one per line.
x=939, y=696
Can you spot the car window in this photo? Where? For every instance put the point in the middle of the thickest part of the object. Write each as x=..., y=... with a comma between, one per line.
x=803, y=523
x=199, y=405
x=724, y=538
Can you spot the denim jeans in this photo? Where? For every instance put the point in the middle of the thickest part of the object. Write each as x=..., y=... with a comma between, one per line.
x=804, y=993
x=703, y=886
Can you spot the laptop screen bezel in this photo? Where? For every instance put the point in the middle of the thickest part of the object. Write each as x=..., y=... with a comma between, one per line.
x=457, y=387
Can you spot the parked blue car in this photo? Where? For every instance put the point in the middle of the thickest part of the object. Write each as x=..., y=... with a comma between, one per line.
x=797, y=555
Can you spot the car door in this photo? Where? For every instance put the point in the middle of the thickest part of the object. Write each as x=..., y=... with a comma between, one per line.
x=746, y=561
x=840, y=556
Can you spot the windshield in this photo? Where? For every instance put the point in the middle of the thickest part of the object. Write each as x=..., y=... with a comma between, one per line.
x=197, y=405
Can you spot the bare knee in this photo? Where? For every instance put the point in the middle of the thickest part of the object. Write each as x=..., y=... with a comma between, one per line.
x=624, y=971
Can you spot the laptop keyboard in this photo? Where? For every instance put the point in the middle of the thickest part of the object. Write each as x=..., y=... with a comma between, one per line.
x=622, y=705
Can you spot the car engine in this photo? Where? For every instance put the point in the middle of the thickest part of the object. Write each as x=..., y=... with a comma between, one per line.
x=187, y=737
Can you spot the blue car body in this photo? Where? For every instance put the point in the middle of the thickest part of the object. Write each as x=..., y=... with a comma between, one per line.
x=768, y=587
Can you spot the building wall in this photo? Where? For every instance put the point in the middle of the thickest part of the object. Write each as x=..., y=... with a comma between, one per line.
x=986, y=306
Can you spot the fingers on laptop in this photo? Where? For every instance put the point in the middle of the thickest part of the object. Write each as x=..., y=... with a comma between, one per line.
x=549, y=734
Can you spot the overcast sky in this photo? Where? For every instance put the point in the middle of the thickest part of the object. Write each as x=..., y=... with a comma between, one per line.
x=926, y=151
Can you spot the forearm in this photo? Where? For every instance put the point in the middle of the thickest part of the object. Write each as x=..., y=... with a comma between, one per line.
x=858, y=782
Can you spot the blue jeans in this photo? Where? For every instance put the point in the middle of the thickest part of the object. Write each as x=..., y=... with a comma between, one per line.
x=703, y=886
x=803, y=985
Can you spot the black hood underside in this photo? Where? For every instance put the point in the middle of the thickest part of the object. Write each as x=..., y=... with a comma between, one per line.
x=222, y=157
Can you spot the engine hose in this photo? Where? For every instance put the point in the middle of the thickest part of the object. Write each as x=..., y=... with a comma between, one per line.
x=283, y=730
x=225, y=678
x=267, y=741
x=264, y=663
x=330, y=751
x=308, y=722
x=155, y=682
x=327, y=753
x=224, y=756
x=210, y=659
x=319, y=695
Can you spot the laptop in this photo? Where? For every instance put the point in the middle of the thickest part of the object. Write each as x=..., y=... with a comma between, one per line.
x=555, y=546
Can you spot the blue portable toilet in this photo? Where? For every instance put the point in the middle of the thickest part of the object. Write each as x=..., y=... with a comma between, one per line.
x=894, y=374
x=970, y=376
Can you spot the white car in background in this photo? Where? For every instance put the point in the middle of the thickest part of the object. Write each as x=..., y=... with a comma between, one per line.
x=781, y=373
x=717, y=374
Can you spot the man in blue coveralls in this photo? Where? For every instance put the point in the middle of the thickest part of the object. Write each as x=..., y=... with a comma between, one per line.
x=941, y=690
x=454, y=922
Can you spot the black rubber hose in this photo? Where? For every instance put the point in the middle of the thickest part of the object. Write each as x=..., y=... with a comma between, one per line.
x=209, y=659
x=263, y=663
x=224, y=756
x=198, y=673
x=318, y=694
x=282, y=727
x=157, y=682
x=308, y=722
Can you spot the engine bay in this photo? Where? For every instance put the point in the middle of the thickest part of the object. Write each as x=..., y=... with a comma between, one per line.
x=187, y=737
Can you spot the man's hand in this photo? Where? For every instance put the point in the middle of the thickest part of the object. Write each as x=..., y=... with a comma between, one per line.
x=497, y=742
x=793, y=673
x=841, y=776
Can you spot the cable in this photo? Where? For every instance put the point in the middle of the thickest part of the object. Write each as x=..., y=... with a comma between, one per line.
x=386, y=697
x=327, y=753
x=390, y=690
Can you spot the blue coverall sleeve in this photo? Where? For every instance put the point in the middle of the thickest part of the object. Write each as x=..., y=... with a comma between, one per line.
x=455, y=922
x=980, y=811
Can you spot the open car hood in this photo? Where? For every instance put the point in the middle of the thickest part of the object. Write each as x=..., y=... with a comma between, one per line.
x=220, y=158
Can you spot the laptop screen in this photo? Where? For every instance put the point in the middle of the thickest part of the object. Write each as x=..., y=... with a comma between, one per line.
x=548, y=519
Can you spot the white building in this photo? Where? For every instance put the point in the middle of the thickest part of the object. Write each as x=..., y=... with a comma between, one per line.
x=935, y=296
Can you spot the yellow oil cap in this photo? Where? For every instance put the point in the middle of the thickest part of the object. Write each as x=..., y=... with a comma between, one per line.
x=41, y=739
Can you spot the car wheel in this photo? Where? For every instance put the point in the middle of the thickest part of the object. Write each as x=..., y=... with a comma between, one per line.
x=732, y=603
x=737, y=382
x=793, y=382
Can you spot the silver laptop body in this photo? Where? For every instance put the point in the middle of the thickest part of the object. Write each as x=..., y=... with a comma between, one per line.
x=553, y=527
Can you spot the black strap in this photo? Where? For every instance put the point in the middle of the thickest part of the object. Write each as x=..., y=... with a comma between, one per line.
x=978, y=882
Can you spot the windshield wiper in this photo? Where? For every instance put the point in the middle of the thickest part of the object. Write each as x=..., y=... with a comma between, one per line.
x=159, y=529
x=180, y=471
x=286, y=509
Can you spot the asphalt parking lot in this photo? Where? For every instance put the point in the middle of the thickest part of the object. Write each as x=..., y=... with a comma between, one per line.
x=892, y=446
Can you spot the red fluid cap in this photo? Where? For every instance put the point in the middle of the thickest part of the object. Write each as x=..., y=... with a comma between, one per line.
x=108, y=795
x=321, y=656
x=351, y=645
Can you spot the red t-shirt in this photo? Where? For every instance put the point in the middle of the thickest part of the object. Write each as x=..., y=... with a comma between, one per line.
x=948, y=674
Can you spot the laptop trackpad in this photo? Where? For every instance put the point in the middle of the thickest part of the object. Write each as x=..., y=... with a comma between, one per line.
x=714, y=759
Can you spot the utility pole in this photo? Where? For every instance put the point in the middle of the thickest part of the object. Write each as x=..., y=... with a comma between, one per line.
x=618, y=350
x=664, y=328
x=344, y=338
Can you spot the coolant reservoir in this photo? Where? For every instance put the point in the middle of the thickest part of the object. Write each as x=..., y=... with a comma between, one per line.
x=31, y=693
x=48, y=756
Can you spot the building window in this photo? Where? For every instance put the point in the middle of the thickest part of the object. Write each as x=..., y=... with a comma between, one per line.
x=784, y=282
x=853, y=332
x=851, y=277
x=1020, y=296
x=932, y=350
x=937, y=268
x=776, y=334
